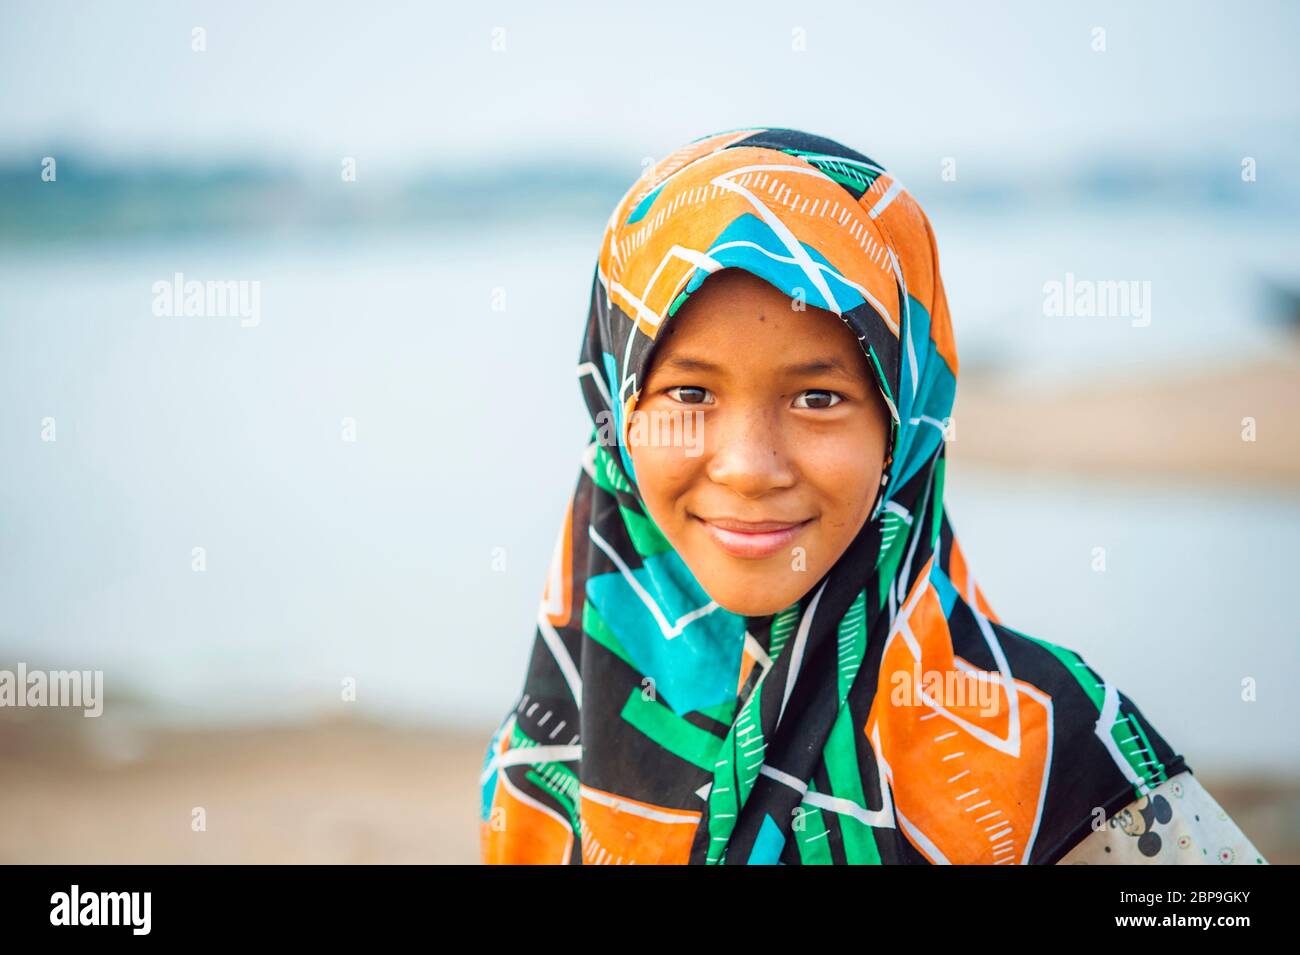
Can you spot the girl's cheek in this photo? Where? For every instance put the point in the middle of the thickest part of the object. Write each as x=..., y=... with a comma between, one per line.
x=663, y=473
x=841, y=476
x=672, y=464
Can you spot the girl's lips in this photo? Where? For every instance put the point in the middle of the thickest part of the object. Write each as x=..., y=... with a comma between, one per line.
x=751, y=540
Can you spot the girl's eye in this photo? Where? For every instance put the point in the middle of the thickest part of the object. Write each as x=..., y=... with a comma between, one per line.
x=817, y=398
x=689, y=394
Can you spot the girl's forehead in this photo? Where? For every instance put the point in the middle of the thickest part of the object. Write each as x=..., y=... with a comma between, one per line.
x=737, y=320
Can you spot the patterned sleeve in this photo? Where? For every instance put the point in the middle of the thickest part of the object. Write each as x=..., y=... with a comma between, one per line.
x=1178, y=823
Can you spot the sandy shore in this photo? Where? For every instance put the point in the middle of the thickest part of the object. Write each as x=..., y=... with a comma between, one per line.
x=345, y=792
x=1182, y=425
x=324, y=793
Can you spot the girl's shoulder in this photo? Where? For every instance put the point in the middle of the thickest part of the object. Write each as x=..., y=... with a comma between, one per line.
x=1177, y=823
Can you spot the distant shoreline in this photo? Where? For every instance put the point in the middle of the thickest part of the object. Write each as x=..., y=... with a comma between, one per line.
x=1189, y=425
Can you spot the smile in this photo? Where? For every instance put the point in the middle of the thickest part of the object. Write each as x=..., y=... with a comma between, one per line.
x=752, y=540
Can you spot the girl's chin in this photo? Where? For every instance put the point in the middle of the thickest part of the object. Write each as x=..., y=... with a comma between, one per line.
x=754, y=608
x=750, y=594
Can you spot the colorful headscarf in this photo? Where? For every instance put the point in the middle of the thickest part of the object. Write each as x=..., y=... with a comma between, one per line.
x=655, y=726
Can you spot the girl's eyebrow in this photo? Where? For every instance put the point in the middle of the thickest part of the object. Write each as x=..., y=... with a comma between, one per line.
x=687, y=363
x=830, y=365
x=821, y=366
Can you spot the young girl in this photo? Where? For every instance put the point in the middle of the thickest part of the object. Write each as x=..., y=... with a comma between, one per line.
x=760, y=641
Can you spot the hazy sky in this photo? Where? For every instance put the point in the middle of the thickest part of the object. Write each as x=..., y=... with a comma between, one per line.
x=406, y=84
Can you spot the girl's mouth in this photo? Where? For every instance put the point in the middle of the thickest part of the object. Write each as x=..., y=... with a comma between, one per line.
x=752, y=540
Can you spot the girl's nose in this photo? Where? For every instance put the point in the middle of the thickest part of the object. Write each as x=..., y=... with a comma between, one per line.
x=747, y=452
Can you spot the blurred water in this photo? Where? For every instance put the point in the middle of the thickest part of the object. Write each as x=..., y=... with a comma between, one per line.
x=374, y=559
x=1208, y=276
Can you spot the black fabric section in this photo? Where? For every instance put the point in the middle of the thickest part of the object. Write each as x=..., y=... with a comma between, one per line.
x=794, y=139
x=707, y=723
x=832, y=820
x=969, y=643
x=900, y=850
x=629, y=762
x=1052, y=853
x=790, y=853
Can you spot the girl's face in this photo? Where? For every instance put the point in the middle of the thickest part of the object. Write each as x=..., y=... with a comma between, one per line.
x=792, y=443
